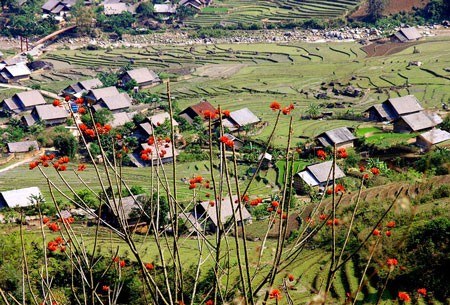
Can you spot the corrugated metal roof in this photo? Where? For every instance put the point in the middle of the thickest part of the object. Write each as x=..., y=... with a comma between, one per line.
x=421, y=120
x=410, y=33
x=320, y=172
x=244, y=117
x=18, y=70
x=228, y=207
x=338, y=135
x=435, y=136
x=49, y=112
x=19, y=197
x=104, y=92
x=143, y=75
x=31, y=98
x=49, y=5
x=404, y=105
x=116, y=102
x=24, y=146
x=120, y=119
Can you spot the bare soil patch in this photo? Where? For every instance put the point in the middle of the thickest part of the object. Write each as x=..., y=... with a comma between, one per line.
x=387, y=48
x=392, y=7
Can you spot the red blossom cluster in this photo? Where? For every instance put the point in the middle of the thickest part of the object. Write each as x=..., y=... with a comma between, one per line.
x=121, y=263
x=403, y=296
x=422, y=291
x=339, y=188
x=81, y=167
x=226, y=141
x=67, y=220
x=388, y=233
x=209, y=302
x=275, y=106
x=81, y=110
x=105, y=288
x=193, y=182
x=322, y=155
x=287, y=110
x=67, y=98
x=291, y=278
x=333, y=221
x=209, y=115
x=256, y=201
x=392, y=262
x=375, y=171
x=323, y=216
x=275, y=294
x=57, y=103
x=146, y=154
x=60, y=165
x=342, y=153
x=79, y=101
x=53, y=245
x=149, y=266
x=53, y=226
x=275, y=204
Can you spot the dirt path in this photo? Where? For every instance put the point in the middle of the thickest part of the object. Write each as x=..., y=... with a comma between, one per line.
x=25, y=161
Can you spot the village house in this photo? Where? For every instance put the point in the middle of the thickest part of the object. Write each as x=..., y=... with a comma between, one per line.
x=115, y=7
x=205, y=214
x=165, y=9
x=239, y=119
x=316, y=176
x=199, y=109
x=22, y=147
x=341, y=137
x=129, y=209
x=195, y=4
x=433, y=137
x=406, y=35
x=238, y=143
x=266, y=160
x=109, y=98
x=414, y=122
x=121, y=118
x=59, y=8
x=22, y=101
x=14, y=73
x=47, y=113
x=160, y=153
x=144, y=77
x=393, y=108
x=77, y=90
x=19, y=198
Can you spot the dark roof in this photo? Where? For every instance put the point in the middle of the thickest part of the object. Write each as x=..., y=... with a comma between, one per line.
x=50, y=4
x=49, y=112
x=435, y=136
x=421, y=120
x=404, y=105
x=384, y=111
x=200, y=108
x=336, y=136
x=24, y=146
x=19, y=197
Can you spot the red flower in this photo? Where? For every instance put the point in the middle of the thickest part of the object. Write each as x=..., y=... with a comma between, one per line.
x=116, y=259
x=375, y=171
x=105, y=288
x=223, y=139
x=81, y=110
x=361, y=169
x=226, y=113
x=339, y=189
x=79, y=100
x=209, y=302
x=64, y=160
x=254, y=202
x=198, y=179
x=209, y=115
x=149, y=266
x=81, y=167
x=390, y=224
x=52, y=246
x=275, y=106
x=118, y=137
x=57, y=103
x=366, y=176
x=342, y=153
x=59, y=240
x=404, y=297
x=33, y=165
x=321, y=154
x=151, y=140
x=207, y=194
x=275, y=204
x=269, y=209
x=122, y=264
x=211, y=203
x=322, y=217
x=45, y=220
x=51, y=156
x=54, y=227
x=229, y=143
x=392, y=262
x=192, y=186
x=376, y=232
x=329, y=191
x=83, y=127
x=245, y=198
x=275, y=294
x=291, y=277
x=388, y=233
x=286, y=110
x=67, y=98
x=422, y=291
x=62, y=168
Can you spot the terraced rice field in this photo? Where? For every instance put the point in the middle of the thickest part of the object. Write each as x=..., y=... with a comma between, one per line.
x=235, y=12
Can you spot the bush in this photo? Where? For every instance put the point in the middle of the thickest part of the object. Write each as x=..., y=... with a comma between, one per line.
x=442, y=191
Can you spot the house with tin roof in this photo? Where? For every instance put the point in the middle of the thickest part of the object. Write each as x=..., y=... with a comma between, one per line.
x=117, y=8
x=433, y=137
x=22, y=101
x=341, y=137
x=115, y=104
x=165, y=9
x=22, y=146
x=14, y=73
x=77, y=89
x=239, y=119
x=406, y=35
x=415, y=122
x=393, y=108
x=199, y=109
x=316, y=176
x=47, y=113
x=19, y=198
x=144, y=77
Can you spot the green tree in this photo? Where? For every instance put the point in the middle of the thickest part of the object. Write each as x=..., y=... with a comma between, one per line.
x=375, y=8
x=313, y=110
x=145, y=10
x=108, y=79
x=83, y=16
x=66, y=143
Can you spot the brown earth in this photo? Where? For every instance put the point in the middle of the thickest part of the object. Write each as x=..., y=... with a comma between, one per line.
x=392, y=7
x=385, y=47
